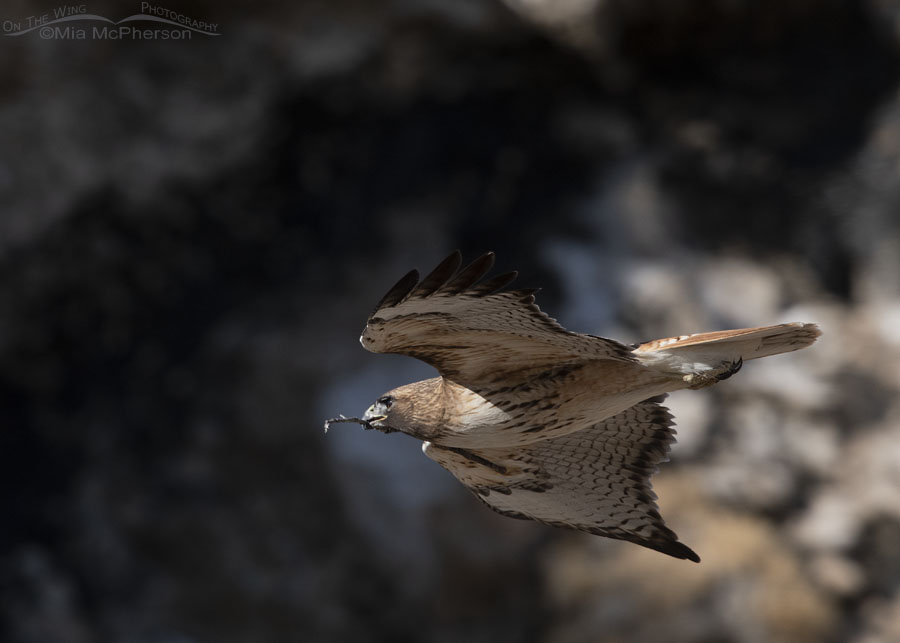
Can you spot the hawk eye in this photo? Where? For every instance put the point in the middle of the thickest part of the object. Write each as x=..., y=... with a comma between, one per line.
x=387, y=400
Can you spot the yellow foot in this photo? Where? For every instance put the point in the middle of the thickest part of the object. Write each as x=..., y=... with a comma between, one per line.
x=708, y=378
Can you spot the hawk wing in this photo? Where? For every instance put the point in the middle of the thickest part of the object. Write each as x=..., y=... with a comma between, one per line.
x=475, y=332
x=595, y=480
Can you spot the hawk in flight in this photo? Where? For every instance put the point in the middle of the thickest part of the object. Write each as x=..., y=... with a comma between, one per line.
x=540, y=422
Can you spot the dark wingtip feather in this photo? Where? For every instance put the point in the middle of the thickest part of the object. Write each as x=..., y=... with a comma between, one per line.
x=470, y=274
x=666, y=541
x=448, y=279
x=399, y=291
x=439, y=276
x=494, y=284
x=679, y=550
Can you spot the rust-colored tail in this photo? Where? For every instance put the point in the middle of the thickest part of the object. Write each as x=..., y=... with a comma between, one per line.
x=743, y=343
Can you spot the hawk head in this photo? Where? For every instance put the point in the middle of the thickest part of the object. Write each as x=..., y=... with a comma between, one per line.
x=382, y=414
x=414, y=409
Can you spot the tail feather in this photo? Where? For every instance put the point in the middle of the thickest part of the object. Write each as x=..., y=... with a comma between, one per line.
x=743, y=343
x=706, y=358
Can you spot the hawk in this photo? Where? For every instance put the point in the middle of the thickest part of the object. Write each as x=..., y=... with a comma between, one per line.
x=537, y=421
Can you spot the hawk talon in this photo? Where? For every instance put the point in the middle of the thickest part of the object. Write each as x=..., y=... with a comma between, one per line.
x=702, y=380
x=733, y=368
x=698, y=380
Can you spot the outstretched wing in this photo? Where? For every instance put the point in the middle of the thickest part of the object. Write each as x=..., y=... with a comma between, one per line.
x=595, y=480
x=472, y=331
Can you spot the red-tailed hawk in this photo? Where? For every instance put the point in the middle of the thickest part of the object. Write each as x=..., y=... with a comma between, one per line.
x=540, y=422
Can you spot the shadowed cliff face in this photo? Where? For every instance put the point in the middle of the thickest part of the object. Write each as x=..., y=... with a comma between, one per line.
x=192, y=234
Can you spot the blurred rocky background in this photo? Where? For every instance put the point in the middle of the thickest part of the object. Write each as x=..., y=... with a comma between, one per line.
x=192, y=234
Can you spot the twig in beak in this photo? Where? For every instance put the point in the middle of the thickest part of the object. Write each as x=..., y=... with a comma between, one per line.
x=365, y=423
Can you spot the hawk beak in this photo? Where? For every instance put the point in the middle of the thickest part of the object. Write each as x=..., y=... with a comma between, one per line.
x=371, y=417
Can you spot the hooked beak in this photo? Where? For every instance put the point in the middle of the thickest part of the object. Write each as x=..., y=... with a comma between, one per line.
x=371, y=416
x=374, y=420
